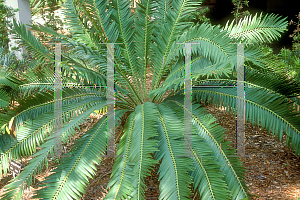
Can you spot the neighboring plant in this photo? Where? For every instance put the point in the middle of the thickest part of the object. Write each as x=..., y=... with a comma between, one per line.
x=292, y=57
x=40, y=7
x=238, y=6
x=46, y=12
x=9, y=66
x=6, y=14
x=287, y=61
x=149, y=93
x=9, y=82
x=200, y=15
x=296, y=34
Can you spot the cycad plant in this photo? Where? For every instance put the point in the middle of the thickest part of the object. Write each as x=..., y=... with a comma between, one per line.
x=149, y=89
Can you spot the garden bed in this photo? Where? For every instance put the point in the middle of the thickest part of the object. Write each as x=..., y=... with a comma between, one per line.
x=272, y=169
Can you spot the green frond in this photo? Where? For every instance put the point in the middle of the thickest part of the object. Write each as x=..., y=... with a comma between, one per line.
x=35, y=81
x=7, y=79
x=206, y=174
x=95, y=22
x=84, y=75
x=207, y=177
x=213, y=136
x=202, y=67
x=132, y=91
x=81, y=55
x=144, y=29
x=32, y=133
x=25, y=90
x=82, y=47
x=86, y=57
x=173, y=171
x=267, y=80
x=33, y=45
x=17, y=185
x=78, y=165
x=136, y=145
x=30, y=103
x=253, y=55
x=102, y=15
x=214, y=44
x=257, y=29
x=262, y=104
x=33, y=110
x=142, y=146
x=120, y=183
x=125, y=20
x=170, y=23
x=4, y=98
x=77, y=24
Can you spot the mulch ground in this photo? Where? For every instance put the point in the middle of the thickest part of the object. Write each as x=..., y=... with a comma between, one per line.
x=273, y=171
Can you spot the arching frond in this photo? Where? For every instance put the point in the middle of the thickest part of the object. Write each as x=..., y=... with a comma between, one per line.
x=211, y=136
x=173, y=171
x=33, y=133
x=144, y=26
x=33, y=45
x=120, y=183
x=201, y=68
x=16, y=187
x=138, y=146
x=171, y=23
x=78, y=165
x=78, y=24
x=261, y=99
x=142, y=146
x=125, y=20
x=257, y=29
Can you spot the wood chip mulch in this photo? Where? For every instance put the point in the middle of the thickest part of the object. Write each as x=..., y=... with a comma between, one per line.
x=273, y=171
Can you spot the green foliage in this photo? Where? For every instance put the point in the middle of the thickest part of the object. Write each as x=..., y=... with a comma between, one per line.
x=42, y=7
x=149, y=93
x=287, y=61
x=10, y=67
x=238, y=6
x=296, y=34
x=45, y=11
x=199, y=15
x=6, y=14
